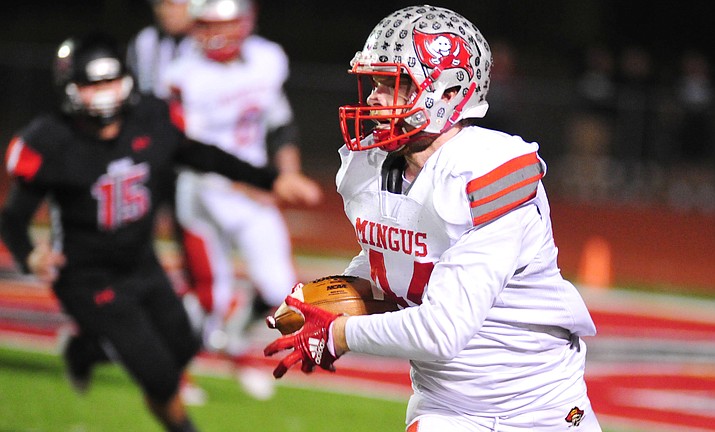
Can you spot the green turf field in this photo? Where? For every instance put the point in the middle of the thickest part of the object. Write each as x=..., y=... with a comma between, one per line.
x=35, y=397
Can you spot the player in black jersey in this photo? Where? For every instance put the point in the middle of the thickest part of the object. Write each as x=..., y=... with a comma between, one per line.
x=102, y=163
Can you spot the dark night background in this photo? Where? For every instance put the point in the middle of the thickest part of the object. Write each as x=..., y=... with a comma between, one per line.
x=328, y=31
x=321, y=36
x=631, y=160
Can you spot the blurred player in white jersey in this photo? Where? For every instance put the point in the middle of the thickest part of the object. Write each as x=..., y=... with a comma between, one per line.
x=454, y=225
x=231, y=94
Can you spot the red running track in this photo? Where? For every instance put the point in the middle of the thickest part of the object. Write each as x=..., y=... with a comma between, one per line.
x=651, y=368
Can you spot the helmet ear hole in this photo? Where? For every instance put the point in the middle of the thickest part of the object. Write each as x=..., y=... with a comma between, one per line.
x=451, y=93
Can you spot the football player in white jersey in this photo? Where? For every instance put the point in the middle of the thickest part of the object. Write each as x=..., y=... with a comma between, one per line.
x=231, y=95
x=454, y=225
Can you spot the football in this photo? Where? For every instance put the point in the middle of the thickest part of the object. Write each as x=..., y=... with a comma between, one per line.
x=341, y=294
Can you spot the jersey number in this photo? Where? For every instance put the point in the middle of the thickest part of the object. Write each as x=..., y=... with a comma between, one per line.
x=421, y=272
x=248, y=127
x=121, y=194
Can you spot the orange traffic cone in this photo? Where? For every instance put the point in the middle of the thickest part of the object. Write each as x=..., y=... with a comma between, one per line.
x=595, y=266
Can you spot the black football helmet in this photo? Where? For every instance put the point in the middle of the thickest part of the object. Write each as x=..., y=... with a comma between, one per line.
x=88, y=60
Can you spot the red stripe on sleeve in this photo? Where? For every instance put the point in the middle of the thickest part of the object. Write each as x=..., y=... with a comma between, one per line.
x=500, y=211
x=502, y=171
x=21, y=160
x=505, y=188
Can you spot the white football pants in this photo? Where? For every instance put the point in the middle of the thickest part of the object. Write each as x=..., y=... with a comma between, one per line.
x=220, y=221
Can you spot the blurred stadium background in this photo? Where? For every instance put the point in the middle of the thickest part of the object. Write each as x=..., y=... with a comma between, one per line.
x=618, y=94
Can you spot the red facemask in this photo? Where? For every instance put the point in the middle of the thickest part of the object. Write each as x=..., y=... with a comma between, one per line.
x=355, y=120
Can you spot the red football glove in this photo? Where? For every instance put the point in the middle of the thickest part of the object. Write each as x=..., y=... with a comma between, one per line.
x=310, y=343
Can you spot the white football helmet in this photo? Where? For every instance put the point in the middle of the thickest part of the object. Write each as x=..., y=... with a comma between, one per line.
x=438, y=50
x=221, y=26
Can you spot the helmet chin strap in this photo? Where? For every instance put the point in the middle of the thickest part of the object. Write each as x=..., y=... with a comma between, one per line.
x=394, y=144
x=454, y=118
x=400, y=143
x=385, y=134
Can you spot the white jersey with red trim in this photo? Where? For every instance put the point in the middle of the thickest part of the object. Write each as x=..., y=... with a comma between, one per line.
x=467, y=249
x=232, y=105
